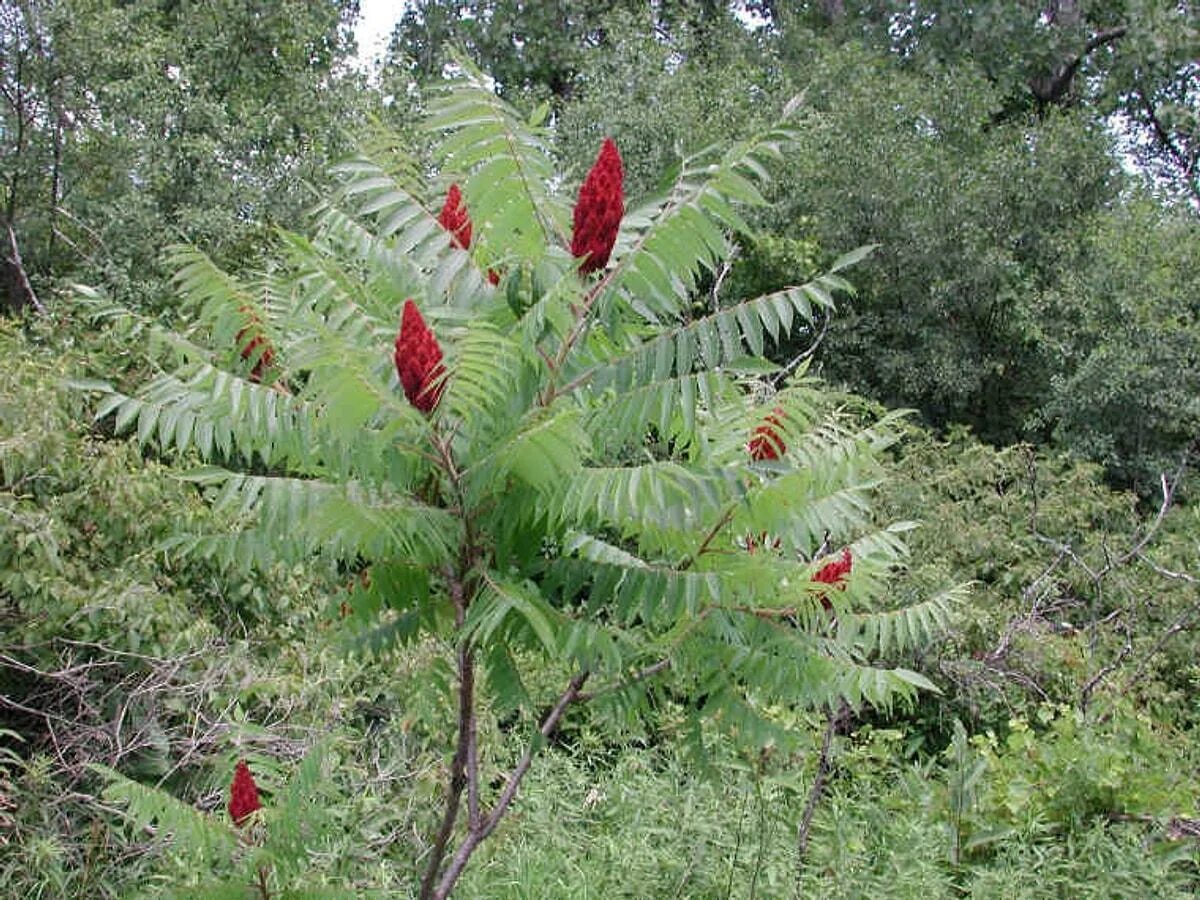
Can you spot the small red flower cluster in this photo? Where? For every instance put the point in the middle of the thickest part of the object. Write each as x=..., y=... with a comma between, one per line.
x=243, y=794
x=456, y=220
x=835, y=573
x=765, y=442
x=254, y=344
x=418, y=360
x=599, y=210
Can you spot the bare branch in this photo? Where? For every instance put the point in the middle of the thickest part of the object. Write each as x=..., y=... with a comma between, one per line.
x=833, y=723
x=475, y=836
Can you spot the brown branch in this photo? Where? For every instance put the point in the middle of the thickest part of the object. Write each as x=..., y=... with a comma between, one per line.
x=1050, y=89
x=638, y=676
x=476, y=835
x=449, y=817
x=708, y=539
x=22, y=291
x=835, y=721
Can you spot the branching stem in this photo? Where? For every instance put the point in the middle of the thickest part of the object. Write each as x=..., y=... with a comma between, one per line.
x=836, y=719
x=478, y=831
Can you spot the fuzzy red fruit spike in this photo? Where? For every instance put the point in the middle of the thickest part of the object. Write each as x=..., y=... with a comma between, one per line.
x=836, y=571
x=454, y=218
x=255, y=345
x=493, y=277
x=765, y=442
x=599, y=210
x=834, y=574
x=418, y=360
x=243, y=794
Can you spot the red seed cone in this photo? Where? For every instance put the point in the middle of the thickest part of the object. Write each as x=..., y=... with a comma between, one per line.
x=765, y=442
x=836, y=571
x=454, y=218
x=834, y=574
x=254, y=345
x=243, y=794
x=599, y=210
x=418, y=360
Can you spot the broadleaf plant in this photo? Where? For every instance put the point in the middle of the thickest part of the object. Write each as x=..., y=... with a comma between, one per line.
x=582, y=492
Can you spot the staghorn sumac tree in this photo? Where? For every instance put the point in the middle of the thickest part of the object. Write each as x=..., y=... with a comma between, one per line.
x=563, y=476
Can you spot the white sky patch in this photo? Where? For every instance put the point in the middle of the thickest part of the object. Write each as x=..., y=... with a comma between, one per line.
x=373, y=30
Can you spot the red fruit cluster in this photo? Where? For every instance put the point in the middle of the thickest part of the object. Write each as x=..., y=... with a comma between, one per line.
x=418, y=360
x=456, y=220
x=243, y=794
x=765, y=442
x=255, y=345
x=834, y=574
x=836, y=571
x=599, y=210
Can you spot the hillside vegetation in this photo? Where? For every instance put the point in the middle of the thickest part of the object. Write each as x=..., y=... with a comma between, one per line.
x=613, y=450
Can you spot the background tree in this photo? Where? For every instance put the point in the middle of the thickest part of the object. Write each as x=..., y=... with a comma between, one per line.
x=1133, y=59
x=536, y=47
x=1125, y=320
x=125, y=123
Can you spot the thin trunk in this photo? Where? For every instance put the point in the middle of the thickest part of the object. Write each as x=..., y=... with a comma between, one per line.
x=454, y=792
x=20, y=291
x=837, y=718
x=464, y=769
x=10, y=207
x=56, y=169
x=477, y=834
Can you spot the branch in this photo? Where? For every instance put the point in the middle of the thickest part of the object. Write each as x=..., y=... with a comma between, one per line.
x=805, y=354
x=1164, y=138
x=24, y=292
x=1085, y=695
x=477, y=835
x=834, y=722
x=638, y=676
x=708, y=539
x=1052, y=88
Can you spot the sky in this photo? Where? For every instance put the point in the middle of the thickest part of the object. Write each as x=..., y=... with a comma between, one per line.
x=374, y=27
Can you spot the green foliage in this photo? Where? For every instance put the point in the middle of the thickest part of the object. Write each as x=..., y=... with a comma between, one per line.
x=1132, y=60
x=1070, y=579
x=294, y=566
x=522, y=520
x=643, y=824
x=353, y=476
x=285, y=845
x=535, y=49
x=969, y=213
x=1126, y=322
x=124, y=124
x=988, y=210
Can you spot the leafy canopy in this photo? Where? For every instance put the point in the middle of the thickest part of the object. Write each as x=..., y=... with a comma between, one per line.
x=583, y=492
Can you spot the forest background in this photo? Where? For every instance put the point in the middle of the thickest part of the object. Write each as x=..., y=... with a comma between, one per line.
x=1028, y=174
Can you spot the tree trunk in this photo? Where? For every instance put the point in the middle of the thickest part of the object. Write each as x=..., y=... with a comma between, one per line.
x=18, y=292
